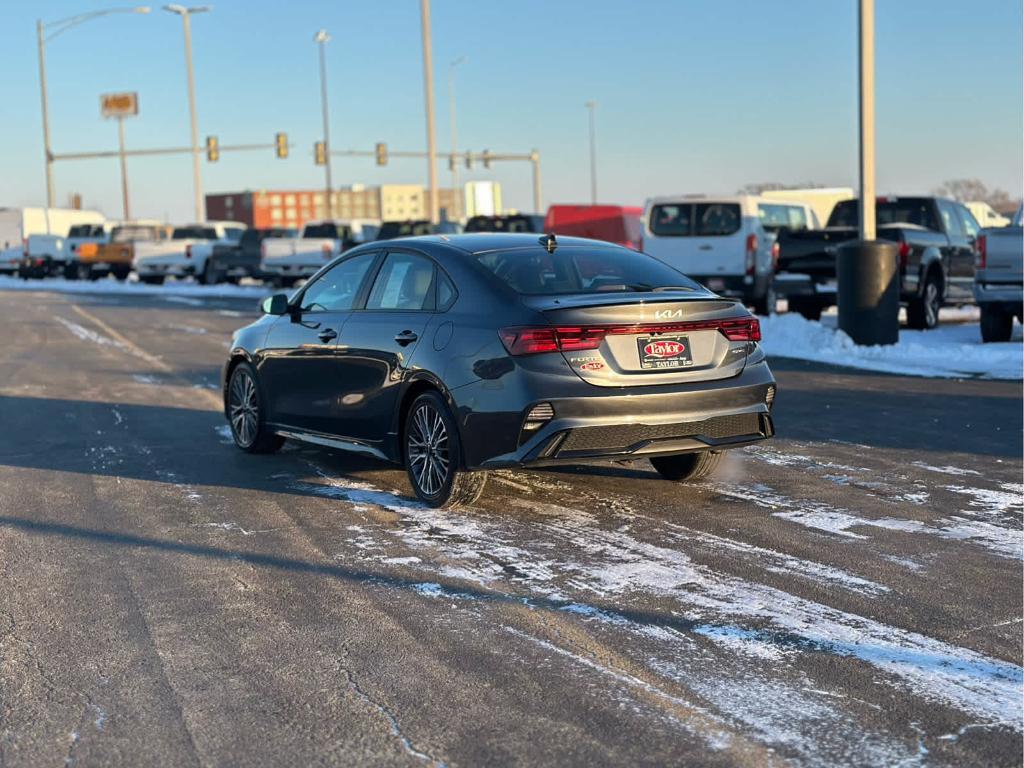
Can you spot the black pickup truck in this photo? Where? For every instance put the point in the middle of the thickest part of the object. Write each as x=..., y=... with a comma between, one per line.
x=936, y=238
x=230, y=263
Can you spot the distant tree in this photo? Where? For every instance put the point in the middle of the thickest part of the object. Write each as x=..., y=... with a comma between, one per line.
x=966, y=190
x=768, y=186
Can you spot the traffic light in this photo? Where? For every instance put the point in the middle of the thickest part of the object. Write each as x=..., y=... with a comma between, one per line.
x=320, y=153
x=212, y=149
x=469, y=161
x=382, y=153
x=451, y=163
x=281, y=144
x=487, y=158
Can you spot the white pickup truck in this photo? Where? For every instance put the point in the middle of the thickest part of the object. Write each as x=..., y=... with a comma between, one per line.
x=286, y=260
x=79, y=235
x=180, y=256
x=999, y=278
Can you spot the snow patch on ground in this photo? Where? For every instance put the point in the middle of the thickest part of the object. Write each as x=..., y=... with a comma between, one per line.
x=172, y=291
x=949, y=351
x=87, y=334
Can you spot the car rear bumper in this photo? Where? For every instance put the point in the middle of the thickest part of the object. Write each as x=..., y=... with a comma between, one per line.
x=621, y=423
x=999, y=293
x=142, y=269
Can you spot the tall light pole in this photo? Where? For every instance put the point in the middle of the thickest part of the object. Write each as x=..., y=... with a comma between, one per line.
x=63, y=25
x=428, y=92
x=592, y=106
x=457, y=197
x=867, y=120
x=321, y=39
x=197, y=179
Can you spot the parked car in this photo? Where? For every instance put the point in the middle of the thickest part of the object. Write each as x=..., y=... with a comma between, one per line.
x=455, y=355
x=232, y=261
x=727, y=243
x=389, y=230
x=515, y=222
x=79, y=235
x=617, y=224
x=986, y=215
x=32, y=239
x=286, y=260
x=115, y=257
x=821, y=200
x=936, y=239
x=999, y=279
x=156, y=261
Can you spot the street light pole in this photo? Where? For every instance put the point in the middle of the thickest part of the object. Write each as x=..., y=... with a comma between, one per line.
x=124, y=168
x=457, y=213
x=867, y=120
x=428, y=91
x=592, y=105
x=321, y=38
x=197, y=179
x=61, y=26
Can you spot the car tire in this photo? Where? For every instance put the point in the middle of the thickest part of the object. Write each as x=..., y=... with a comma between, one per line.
x=433, y=456
x=71, y=271
x=765, y=305
x=245, y=413
x=687, y=466
x=120, y=274
x=996, y=325
x=808, y=309
x=152, y=279
x=923, y=310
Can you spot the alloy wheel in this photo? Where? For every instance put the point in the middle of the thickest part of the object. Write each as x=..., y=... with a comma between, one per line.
x=243, y=408
x=931, y=304
x=429, y=460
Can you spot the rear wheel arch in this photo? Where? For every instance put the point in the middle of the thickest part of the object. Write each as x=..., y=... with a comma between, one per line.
x=931, y=266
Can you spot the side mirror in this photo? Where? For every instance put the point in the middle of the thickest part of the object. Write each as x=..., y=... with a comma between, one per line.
x=275, y=305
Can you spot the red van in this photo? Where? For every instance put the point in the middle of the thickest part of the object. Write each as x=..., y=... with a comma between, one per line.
x=617, y=224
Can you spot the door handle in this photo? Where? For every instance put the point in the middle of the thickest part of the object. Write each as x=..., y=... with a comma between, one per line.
x=406, y=337
x=328, y=334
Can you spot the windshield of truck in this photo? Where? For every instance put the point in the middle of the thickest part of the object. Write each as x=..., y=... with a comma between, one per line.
x=134, y=234
x=392, y=229
x=194, y=233
x=695, y=219
x=328, y=231
x=572, y=269
x=889, y=210
x=86, y=230
x=233, y=234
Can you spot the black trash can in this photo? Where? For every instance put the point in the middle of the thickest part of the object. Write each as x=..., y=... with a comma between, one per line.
x=869, y=291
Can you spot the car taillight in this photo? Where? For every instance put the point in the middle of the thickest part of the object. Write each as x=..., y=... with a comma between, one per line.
x=188, y=251
x=326, y=249
x=751, y=253
x=981, y=251
x=775, y=254
x=904, y=251
x=574, y=338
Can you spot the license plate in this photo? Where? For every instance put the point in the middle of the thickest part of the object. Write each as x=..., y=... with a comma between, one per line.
x=664, y=352
x=716, y=284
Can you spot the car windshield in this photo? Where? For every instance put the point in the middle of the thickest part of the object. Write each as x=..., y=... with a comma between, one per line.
x=904, y=210
x=577, y=269
x=132, y=234
x=194, y=233
x=86, y=230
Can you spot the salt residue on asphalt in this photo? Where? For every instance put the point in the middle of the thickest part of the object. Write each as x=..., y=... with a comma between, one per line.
x=173, y=290
x=949, y=351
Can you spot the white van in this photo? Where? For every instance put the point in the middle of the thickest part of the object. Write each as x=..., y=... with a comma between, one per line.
x=727, y=243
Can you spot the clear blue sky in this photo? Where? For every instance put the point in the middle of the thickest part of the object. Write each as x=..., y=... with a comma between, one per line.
x=694, y=95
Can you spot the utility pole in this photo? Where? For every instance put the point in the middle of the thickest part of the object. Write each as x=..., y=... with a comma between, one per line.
x=321, y=39
x=197, y=179
x=457, y=213
x=124, y=169
x=592, y=106
x=867, y=120
x=46, y=114
x=535, y=161
x=428, y=92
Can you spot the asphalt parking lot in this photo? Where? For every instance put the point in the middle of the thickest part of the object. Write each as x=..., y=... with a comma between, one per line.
x=849, y=594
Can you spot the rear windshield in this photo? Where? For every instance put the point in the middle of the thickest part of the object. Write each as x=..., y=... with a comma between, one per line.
x=257, y=235
x=574, y=269
x=904, y=210
x=776, y=216
x=392, y=229
x=327, y=231
x=504, y=224
x=132, y=234
x=194, y=233
x=695, y=219
x=86, y=230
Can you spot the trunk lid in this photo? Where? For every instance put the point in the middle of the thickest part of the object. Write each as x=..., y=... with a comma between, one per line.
x=647, y=338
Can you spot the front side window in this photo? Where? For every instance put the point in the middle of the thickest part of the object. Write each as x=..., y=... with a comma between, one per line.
x=950, y=218
x=337, y=289
x=405, y=282
x=971, y=225
x=572, y=269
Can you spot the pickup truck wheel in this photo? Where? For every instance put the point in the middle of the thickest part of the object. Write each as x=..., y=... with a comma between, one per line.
x=808, y=308
x=923, y=310
x=208, y=276
x=765, y=305
x=70, y=271
x=152, y=279
x=996, y=325
x=687, y=466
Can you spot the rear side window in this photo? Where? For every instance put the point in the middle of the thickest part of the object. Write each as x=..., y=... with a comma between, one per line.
x=695, y=219
x=534, y=271
x=775, y=216
x=404, y=282
x=907, y=210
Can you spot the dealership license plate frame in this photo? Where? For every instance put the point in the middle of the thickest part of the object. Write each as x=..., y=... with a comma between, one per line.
x=649, y=362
